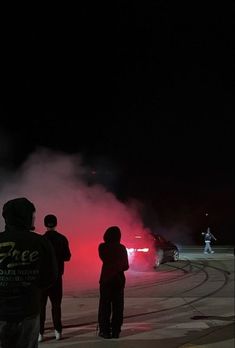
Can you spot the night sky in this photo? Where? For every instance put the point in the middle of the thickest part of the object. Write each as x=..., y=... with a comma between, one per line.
x=143, y=92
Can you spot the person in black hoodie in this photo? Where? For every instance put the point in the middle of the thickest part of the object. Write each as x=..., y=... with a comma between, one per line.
x=112, y=283
x=55, y=292
x=27, y=265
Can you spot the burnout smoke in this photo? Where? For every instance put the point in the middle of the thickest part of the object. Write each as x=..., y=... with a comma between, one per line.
x=56, y=184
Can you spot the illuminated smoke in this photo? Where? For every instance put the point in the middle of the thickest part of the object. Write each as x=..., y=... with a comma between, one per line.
x=56, y=184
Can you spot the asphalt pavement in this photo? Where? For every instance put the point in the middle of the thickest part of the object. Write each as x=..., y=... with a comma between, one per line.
x=189, y=303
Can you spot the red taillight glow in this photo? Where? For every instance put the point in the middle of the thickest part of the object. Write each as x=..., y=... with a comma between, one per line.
x=130, y=250
x=143, y=250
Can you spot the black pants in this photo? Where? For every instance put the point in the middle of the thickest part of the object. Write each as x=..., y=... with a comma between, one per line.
x=111, y=306
x=20, y=334
x=55, y=294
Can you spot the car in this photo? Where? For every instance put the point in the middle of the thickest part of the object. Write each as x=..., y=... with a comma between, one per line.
x=165, y=250
x=149, y=251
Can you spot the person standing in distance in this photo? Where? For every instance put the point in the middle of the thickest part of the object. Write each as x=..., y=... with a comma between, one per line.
x=27, y=265
x=208, y=237
x=55, y=292
x=112, y=283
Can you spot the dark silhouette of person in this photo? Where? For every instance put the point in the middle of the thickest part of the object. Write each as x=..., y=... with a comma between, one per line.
x=55, y=292
x=27, y=265
x=112, y=283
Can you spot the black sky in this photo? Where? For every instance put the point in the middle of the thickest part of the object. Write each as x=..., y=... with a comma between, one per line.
x=143, y=91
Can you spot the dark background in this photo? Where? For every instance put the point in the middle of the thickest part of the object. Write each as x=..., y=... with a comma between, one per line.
x=143, y=91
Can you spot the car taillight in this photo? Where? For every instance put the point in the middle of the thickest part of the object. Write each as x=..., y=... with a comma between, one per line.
x=132, y=250
x=144, y=250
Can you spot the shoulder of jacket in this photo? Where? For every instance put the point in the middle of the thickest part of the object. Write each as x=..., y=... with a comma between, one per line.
x=102, y=245
x=61, y=235
x=63, y=238
x=36, y=235
x=123, y=246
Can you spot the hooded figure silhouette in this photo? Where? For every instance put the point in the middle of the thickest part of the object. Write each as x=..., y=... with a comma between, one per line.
x=112, y=283
x=27, y=265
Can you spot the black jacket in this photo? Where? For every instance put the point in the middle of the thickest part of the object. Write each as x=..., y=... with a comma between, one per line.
x=27, y=263
x=114, y=257
x=209, y=237
x=61, y=248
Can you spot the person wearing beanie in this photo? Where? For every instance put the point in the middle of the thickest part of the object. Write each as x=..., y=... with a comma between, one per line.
x=27, y=267
x=55, y=292
x=112, y=283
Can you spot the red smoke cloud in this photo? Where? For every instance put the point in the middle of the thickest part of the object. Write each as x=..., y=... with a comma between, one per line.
x=55, y=183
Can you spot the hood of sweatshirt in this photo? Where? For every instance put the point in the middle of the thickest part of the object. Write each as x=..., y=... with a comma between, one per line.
x=112, y=235
x=18, y=214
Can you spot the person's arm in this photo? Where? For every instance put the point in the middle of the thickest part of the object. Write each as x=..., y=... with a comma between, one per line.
x=48, y=271
x=67, y=252
x=101, y=251
x=122, y=263
x=213, y=236
x=125, y=260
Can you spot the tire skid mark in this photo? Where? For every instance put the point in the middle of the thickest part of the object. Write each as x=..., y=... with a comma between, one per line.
x=176, y=278
x=211, y=293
